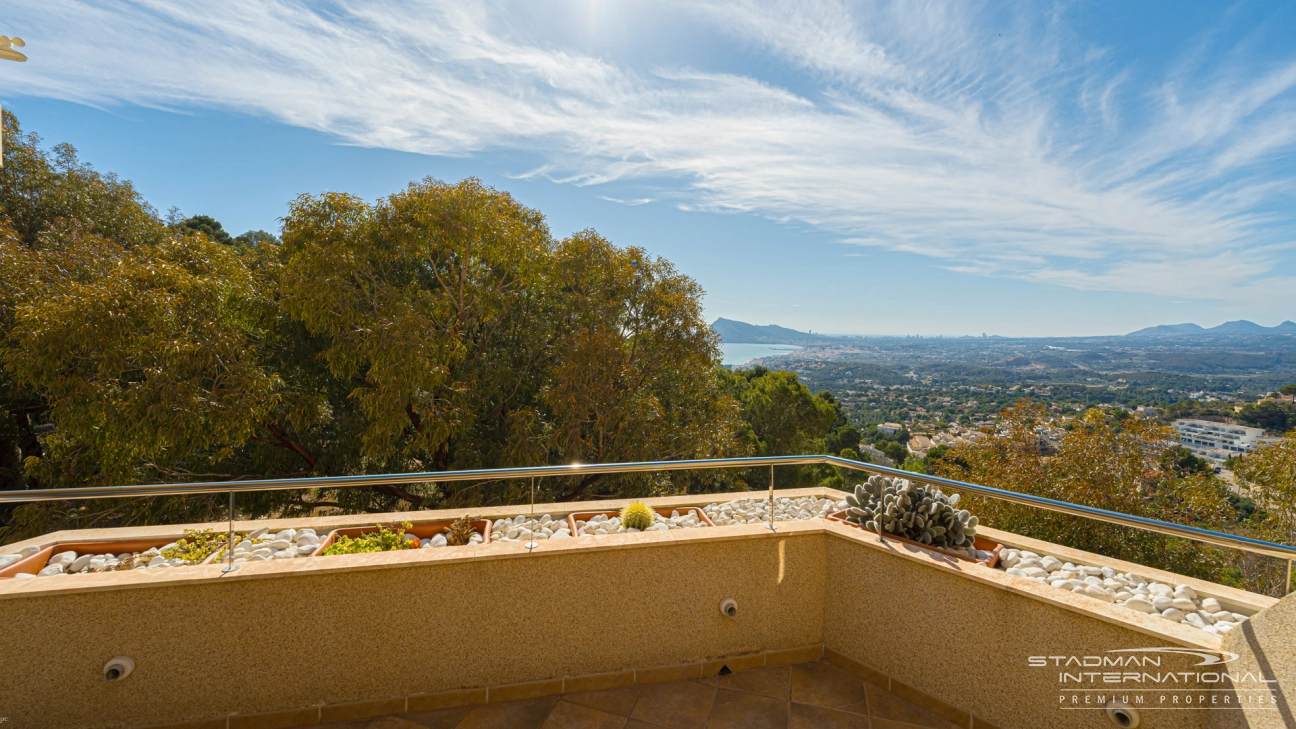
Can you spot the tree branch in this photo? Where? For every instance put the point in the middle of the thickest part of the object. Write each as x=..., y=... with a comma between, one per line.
x=585, y=483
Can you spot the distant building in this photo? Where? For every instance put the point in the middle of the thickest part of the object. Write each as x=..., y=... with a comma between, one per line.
x=878, y=456
x=1147, y=410
x=889, y=428
x=920, y=444
x=1217, y=441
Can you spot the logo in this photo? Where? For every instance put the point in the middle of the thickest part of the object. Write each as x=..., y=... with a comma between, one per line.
x=1158, y=677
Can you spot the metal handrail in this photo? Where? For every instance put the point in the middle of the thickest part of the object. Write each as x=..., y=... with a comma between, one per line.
x=1219, y=539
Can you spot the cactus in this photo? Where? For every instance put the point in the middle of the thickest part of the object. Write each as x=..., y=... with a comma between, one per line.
x=637, y=516
x=460, y=532
x=919, y=513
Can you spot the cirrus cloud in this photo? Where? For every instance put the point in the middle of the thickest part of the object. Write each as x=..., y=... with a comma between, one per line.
x=993, y=140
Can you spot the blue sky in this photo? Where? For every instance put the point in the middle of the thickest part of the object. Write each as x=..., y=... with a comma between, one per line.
x=871, y=168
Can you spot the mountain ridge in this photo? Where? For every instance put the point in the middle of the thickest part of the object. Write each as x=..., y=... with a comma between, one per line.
x=739, y=332
x=1240, y=326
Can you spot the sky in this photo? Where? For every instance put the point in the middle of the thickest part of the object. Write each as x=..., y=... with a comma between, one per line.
x=933, y=168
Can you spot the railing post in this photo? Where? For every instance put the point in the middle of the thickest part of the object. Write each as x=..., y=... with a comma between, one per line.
x=1288, y=585
x=771, y=501
x=532, y=543
x=229, y=548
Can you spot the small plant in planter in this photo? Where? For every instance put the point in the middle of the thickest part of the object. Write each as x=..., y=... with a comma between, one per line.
x=197, y=545
x=921, y=514
x=637, y=516
x=461, y=531
x=382, y=540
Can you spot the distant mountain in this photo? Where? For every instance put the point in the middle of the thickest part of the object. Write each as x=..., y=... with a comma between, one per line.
x=1167, y=329
x=736, y=332
x=1241, y=326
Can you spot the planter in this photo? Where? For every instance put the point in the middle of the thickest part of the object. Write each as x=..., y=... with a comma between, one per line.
x=422, y=531
x=587, y=515
x=38, y=561
x=984, y=545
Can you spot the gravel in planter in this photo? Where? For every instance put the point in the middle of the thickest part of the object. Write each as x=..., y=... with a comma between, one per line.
x=194, y=548
x=756, y=511
x=523, y=528
x=603, y=524
x=263, y=545
x=25, y=552
x=1177, y=603
x=71, y=563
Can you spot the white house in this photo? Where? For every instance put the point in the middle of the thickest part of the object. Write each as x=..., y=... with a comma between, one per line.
x=1217, y=441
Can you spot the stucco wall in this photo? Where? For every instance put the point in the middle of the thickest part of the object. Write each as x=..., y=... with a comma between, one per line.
x=1266, y=648
x=276, y=635
x=966, y=638
x=250, y=644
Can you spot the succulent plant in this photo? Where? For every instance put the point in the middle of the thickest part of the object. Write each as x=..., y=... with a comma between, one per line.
x=919, y=513
x=382, y=540
x=637, y=516
x=460, y=532
x=197, y=544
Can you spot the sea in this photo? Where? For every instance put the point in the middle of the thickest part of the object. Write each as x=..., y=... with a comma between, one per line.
x=740, y=353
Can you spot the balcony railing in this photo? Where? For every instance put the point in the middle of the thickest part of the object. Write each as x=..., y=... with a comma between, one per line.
x=1206, y=536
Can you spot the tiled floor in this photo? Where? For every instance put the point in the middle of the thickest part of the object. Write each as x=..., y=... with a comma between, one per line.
x=803, y=696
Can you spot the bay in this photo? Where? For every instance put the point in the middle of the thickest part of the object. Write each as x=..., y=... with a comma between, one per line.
x=740, y=353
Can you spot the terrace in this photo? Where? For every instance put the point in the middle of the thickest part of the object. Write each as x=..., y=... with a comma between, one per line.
x=831, y=626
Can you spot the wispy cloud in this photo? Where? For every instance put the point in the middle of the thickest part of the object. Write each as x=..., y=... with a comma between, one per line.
x=998, y=143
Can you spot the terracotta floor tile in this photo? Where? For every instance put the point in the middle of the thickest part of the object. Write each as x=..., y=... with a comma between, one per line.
x=346, y=725
x=678, y=704
x=619, y=701
x=395, y=722
x=527, y=714
x=708, y=680
x=888, y=724
x=636, y=724
x=776, y=682
x=805, y=716
x=741, y=710
x=887, y=706
x=439, y=719
x=573, y=716
x=828, y=686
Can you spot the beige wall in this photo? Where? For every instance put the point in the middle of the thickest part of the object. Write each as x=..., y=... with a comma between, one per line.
x=247, y=645
x=966, y=641
x=1266, y=646
x=337, y=629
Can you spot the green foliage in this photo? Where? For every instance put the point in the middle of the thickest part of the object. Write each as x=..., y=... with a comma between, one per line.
x=255, y=237
x=914, y=464
x=1273, y=416
x=854, y=455
x=637, y=516
x=53, y=192
x=897, y=452
x=382, y=539
x=843, y=436
x=1181, y=462
x=935, y=456
x=209, y=227
x=441, y=327
x=1288, y=389
x=780, y=416
x=1099, y=463
x=198, y=544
